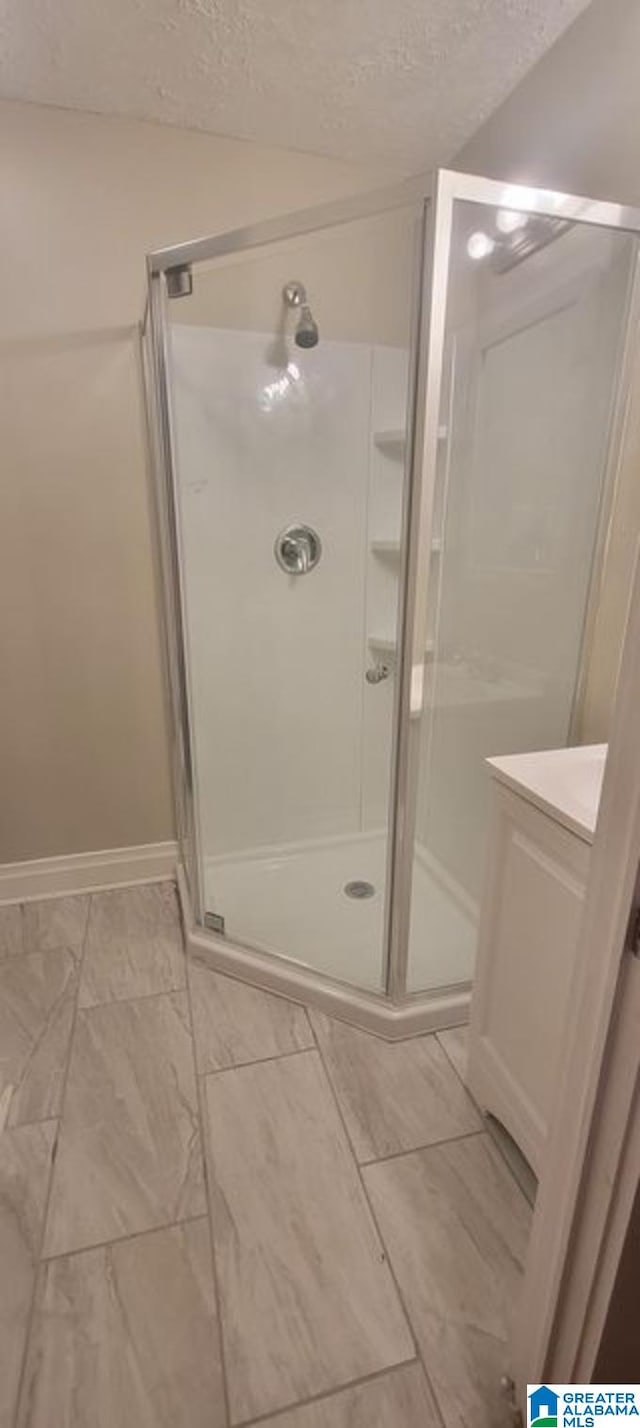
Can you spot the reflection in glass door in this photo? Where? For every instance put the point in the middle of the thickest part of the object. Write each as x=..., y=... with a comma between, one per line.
x=536, y=314
x=289, y=392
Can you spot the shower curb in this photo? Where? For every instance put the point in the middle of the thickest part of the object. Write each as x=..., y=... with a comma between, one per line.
x=393, y=1021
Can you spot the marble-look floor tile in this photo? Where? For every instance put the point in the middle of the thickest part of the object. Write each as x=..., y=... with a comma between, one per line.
x=400, y=1398
x=37, y=997
x=129, y=1155
x=54, y=922
x=456, y=1044
x=307, y=1301
x=394, y=1096
x=234, y=1024
x=11, y=930
x=133, y=946
x=456, y=1225
x=25, y=1164
x=125, y=1337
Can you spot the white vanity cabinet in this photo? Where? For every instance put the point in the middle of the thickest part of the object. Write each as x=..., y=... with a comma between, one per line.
x=543, y=819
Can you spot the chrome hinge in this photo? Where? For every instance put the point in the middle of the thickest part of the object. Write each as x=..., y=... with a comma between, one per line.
x=215, y=922
x=179, y=281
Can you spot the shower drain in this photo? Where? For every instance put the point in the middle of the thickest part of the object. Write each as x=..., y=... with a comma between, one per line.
x=359, y=888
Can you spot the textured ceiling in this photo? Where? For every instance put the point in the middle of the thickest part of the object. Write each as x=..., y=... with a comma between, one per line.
x=403, y=82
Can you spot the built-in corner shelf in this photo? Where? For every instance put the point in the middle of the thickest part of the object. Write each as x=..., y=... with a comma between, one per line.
x=386, y=644
x=393, y=440
x=391, y=548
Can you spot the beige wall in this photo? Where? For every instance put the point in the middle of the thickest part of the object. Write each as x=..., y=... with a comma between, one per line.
x=83, y=761
x=573, y=124
x=573, y=121
x=359, y=280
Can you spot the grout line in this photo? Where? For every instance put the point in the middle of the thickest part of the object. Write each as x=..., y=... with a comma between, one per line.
x=461, y=1079
x=485, y=1116
x=122, y=1239
x=204, y=1141
x=257, y=1061
x=450, y=1059
x=274, y=1414
x=419, y=1149
x=141, y=997
x=38, y=1257
x=409, y=1321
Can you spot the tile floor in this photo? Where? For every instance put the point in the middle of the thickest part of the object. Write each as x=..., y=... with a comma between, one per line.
x=217, y=1210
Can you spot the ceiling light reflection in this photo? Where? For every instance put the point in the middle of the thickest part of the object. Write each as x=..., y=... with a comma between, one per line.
x=508, y=220
x=480, y=245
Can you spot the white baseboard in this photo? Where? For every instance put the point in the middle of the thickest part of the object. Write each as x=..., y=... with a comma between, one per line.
x=87, y=872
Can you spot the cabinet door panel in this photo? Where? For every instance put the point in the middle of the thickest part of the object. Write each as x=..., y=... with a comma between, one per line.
x=530, y=922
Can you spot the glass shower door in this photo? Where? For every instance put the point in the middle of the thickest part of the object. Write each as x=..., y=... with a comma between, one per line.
x=534, y=311
x=289, y=388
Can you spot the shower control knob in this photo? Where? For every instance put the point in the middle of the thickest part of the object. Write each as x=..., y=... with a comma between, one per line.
x=297, y=549
x=376, y=673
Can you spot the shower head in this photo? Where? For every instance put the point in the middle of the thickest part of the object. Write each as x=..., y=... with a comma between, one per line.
x=306, y=334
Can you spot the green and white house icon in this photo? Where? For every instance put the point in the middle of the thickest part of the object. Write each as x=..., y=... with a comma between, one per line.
x=543, y=1408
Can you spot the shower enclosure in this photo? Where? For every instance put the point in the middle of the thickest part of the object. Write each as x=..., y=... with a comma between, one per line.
x=385, y=436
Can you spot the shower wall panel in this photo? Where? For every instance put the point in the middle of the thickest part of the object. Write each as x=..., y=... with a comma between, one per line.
x=276, y=661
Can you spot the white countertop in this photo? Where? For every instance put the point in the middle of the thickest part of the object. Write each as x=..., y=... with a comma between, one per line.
x=565, y=783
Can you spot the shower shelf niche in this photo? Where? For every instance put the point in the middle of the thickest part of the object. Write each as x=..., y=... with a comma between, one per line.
x=391, y=548
x=387, y=644
x=393, y=440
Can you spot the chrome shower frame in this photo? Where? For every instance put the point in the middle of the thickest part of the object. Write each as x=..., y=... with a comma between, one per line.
x=393, y=1012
